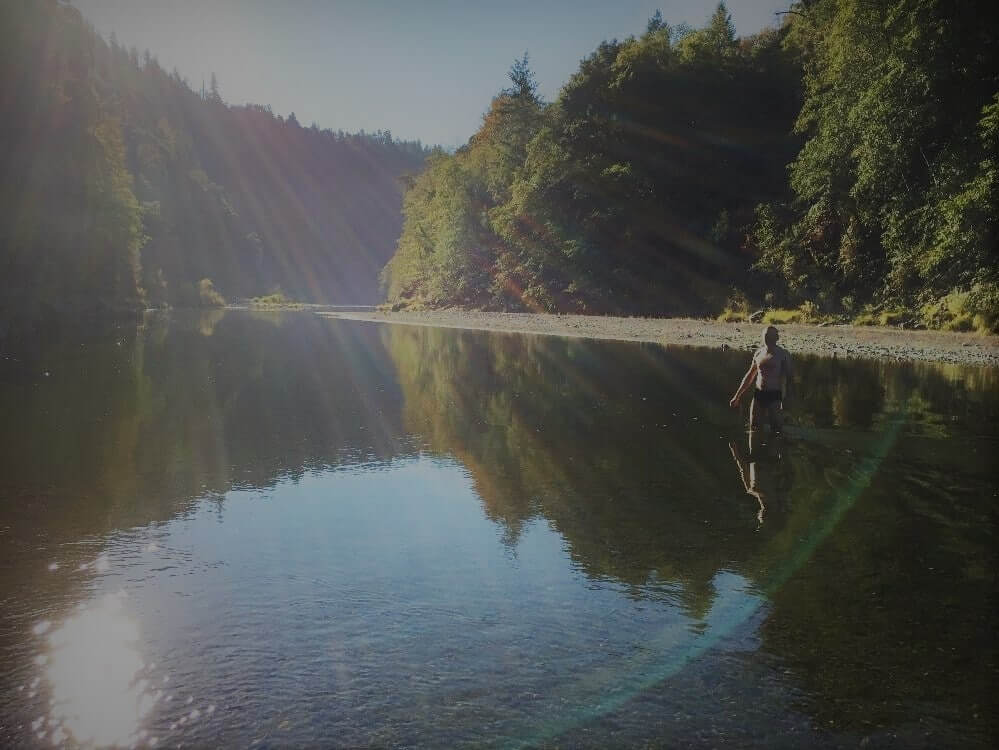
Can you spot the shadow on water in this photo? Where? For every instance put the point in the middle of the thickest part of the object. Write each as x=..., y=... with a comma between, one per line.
x=830, y=586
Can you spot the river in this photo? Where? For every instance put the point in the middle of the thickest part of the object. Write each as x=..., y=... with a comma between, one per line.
x=243, y=527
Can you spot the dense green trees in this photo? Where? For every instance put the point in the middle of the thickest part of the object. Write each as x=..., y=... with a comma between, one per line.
x=120, y=186
x=895, y=190
x=626, y=194
x=659, y=179
x=71, y=225
x=847, y=160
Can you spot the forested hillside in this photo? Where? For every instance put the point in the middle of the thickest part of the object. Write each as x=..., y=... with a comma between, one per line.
x=845, y=161
x=120, y=186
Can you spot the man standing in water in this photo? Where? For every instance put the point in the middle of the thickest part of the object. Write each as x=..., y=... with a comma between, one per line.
x=771, y=369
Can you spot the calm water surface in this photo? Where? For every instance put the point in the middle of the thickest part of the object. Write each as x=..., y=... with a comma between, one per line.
x=284, y=530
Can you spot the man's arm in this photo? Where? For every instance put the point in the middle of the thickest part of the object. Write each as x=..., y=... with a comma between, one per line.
x=746, y=380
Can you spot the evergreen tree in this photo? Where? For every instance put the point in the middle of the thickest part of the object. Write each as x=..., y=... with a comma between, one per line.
x=524, y=83
x=720, y=30
x=655, y=23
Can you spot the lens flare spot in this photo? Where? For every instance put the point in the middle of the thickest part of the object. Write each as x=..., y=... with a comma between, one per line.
x=93, y=663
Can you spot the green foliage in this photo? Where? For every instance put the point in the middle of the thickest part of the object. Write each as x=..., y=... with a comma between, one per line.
x=631, y=193
x=808, y=312
x=655, y=183
x=892, y=317
x=712, y=44
x=450, y=238
x=275, y=298
x=120, y=186
x=976, y=309
x=70, y=224
x=208, y=296
x=525, y=85
x=896, y=187
x=866, y=318
x=736, y=308
x=983, y=304
x=116, y=220
x=728, y=315
x=657, y=177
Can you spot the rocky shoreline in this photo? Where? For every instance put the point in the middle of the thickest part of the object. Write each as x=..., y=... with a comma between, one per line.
x=831, y=340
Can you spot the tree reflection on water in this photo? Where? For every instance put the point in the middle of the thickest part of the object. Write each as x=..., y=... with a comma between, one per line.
x=865, y=582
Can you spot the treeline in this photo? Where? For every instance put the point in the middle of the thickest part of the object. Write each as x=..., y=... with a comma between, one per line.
x=120, y=186
x=845, y=161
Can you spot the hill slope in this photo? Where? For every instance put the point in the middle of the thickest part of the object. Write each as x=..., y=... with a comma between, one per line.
x=120, y=186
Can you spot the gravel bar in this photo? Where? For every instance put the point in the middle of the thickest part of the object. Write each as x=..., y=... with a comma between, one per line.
x=830, y=340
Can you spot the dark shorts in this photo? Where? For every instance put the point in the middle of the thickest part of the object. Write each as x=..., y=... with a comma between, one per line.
x=766, y=398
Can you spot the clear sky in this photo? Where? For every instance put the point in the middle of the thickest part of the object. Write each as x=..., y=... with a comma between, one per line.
x=423, y=69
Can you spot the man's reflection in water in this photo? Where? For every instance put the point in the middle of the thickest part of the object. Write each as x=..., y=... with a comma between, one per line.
x=762, y=473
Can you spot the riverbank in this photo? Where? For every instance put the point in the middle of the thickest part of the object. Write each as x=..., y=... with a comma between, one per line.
x=830, y=341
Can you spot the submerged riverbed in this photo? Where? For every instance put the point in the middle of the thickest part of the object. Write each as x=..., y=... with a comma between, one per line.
x=272, y=527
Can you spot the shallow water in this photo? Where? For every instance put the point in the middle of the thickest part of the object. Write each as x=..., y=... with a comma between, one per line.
x=275, y=528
